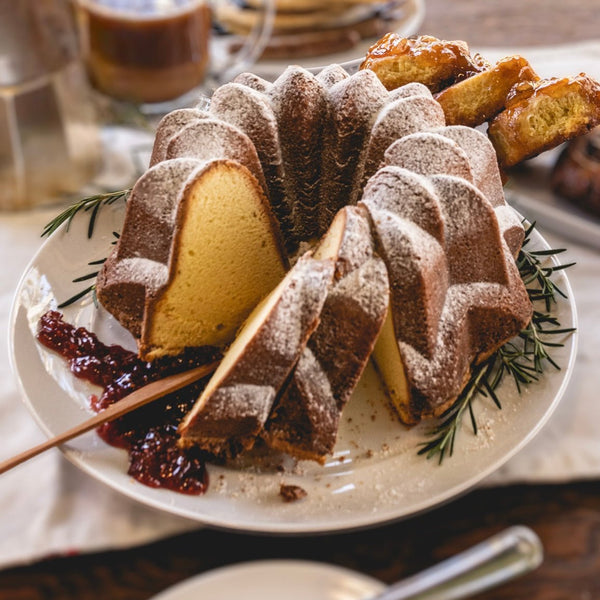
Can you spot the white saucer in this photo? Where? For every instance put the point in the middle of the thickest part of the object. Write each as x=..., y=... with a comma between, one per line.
x=276, y=580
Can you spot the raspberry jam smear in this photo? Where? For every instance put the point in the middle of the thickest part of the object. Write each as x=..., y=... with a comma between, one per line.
x=149, y=434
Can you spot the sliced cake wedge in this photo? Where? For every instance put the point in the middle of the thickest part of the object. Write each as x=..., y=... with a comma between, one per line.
x=237, y=400
x=226, y=256
x=305, y=420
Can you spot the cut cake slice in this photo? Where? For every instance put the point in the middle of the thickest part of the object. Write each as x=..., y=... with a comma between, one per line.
x=225, y=257
x=233, y=408
x=305, y=420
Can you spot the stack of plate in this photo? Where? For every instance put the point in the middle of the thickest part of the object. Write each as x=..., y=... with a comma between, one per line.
x=307, y=28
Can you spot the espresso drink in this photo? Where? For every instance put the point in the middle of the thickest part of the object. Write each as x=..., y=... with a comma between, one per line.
x=149, y=54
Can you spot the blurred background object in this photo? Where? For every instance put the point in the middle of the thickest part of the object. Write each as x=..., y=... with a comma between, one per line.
x=576, y=174
x=49, y=143
x=159, y=52
x=149, y=51
x=311, y=28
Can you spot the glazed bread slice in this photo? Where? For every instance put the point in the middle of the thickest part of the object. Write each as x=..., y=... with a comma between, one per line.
x=233, y=408
x=477, y=99
x=397, y=60
x=542, y=115
x=225, y=257
x=305, y=420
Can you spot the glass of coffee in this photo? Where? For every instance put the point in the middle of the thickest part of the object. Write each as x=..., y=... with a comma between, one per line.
x=157, y=51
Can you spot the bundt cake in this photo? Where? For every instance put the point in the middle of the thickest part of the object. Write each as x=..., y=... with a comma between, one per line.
x=429, y=243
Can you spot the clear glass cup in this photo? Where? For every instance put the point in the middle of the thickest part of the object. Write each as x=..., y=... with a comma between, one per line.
x=155, y=52
x=49, y=138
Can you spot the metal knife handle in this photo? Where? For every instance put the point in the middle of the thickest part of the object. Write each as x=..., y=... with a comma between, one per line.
x=513, y=552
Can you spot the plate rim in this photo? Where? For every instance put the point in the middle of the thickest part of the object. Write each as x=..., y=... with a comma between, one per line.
x=191, y=583
x=288, y=528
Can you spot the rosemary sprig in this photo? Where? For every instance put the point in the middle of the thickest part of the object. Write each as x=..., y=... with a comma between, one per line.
x=523, y=359
x=90, y=203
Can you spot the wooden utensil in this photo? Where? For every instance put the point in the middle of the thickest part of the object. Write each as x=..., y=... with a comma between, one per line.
x=136, y=399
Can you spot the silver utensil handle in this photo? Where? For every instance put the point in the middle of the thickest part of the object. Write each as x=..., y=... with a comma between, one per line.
x=513, y=552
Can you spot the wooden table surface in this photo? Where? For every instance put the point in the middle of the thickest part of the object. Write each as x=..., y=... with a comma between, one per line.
x=566, y=517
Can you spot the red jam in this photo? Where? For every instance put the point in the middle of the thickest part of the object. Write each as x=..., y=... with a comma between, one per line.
x=149, y=434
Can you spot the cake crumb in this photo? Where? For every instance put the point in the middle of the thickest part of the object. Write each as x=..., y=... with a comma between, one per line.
x=291, y=493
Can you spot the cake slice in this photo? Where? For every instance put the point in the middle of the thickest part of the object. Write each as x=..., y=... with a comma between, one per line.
x=138, y=263
x=216, y=254
x=305, y=420
x=233, y=408
x=226, y=255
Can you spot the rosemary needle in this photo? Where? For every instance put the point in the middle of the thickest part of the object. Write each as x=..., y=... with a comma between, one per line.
x=92, y=203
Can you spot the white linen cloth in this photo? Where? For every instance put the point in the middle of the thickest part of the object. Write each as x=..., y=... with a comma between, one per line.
x=49, y=507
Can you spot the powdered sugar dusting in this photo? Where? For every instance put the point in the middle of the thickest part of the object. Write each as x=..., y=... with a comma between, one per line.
x=482, y=156
x=473, y=240
x=410, y=89
x=169, y=125
x=212, y=139
x=149, y=273
x=408, y=195
x=428, y=154
x=266, y=349
x=331, y=75
x=398, y=118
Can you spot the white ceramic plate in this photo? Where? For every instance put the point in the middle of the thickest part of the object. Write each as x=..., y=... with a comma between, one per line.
x=275, y=580
x=374, y=476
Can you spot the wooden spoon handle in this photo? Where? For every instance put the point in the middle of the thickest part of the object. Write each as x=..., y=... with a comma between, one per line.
x=136, y=399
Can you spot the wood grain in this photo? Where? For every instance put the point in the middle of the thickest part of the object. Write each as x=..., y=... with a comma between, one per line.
x=511, y=22
x=567, y=519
